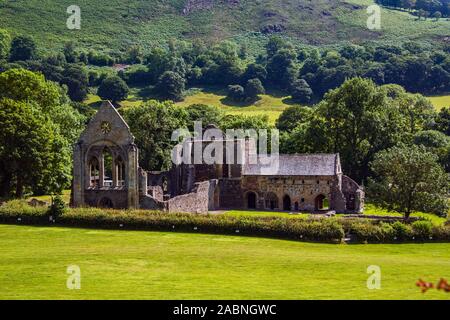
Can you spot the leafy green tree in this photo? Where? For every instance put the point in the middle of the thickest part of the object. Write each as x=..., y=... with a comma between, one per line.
x=5, y=44
x=356, y=120
x=236, y=93
x=274, y=45
x=152, y=124
x=253, y=89
x=70, y=52
x=113, y=88
x=301, y=91
x=443, y=121
x=282, y=68
x=77, y=80
x=437, y=143
x=409, y=179
x=171, y=86
x=33, y=155
x=291, y=117
x=157, y=61
x=204, y=113
x=254, y=71
x=26, y=86
x=134, y=54
x=22, y=48
x=245, y=122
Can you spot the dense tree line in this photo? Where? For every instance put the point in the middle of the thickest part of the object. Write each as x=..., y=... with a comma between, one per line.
x=430, y=7
x=304, y=73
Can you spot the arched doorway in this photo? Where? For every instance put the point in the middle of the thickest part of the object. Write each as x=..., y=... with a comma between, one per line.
x=271, y=201
x=287, y=203
x=321, y=203
x=106, y=203
x=251, y=200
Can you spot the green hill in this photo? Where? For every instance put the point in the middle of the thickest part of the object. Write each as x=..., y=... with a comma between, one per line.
x=115, y=24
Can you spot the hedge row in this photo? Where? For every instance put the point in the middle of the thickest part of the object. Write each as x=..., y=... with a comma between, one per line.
x=296, y=229
x=418, y=231
x=332, y=230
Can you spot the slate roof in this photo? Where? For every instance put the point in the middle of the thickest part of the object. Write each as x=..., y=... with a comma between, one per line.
x=297, y=165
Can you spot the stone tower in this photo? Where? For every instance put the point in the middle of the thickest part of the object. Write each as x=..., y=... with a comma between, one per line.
x=105, y=162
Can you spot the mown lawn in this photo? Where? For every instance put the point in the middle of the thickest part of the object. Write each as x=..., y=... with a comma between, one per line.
x=161, y=265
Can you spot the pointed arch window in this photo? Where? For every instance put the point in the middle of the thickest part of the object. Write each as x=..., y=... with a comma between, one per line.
x=120, y=172
x=107, y=168
x=94, y=173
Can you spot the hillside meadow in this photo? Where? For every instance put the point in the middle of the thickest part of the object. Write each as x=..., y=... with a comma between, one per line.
x=271, y=104
x=114, y=25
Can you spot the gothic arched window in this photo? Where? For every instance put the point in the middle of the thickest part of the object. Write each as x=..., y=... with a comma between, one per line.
x=120, y=172
x=94, y=173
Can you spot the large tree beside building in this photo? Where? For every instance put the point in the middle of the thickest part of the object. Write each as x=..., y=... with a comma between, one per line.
x=33, y=154
x=408, y=179
x=153, y=123
x=358, y=120
x=39, y=125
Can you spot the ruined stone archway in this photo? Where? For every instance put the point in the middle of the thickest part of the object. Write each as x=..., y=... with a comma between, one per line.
x=287, y=206
x=321, y=203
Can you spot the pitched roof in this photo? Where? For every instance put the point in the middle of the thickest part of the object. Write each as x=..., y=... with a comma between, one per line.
x=296, y=165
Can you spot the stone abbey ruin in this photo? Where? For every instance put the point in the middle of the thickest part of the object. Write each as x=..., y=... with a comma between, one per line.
x=107, y=174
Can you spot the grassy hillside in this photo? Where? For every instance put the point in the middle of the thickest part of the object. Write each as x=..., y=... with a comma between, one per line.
x=271, y=104
x=161, y=265
x=115, y=24
x=440, y=101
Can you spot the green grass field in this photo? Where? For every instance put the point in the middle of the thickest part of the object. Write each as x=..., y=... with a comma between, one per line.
x=271, y=104
x=440, y=102
x=160, y=265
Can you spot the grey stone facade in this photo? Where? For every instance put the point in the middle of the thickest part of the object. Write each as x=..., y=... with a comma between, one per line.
x=107, y=174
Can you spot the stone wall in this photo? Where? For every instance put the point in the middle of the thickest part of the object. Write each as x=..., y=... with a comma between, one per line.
x=194, y=202
x=119, y=198
x=231, y=195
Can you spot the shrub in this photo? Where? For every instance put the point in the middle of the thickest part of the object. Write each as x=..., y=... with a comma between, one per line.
x=114, y=89
x=422, y=229
x=57, y=208
x=441, y=233
x=402, y=231
x=236, y=93
x=369, y=232
x=253, y=88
